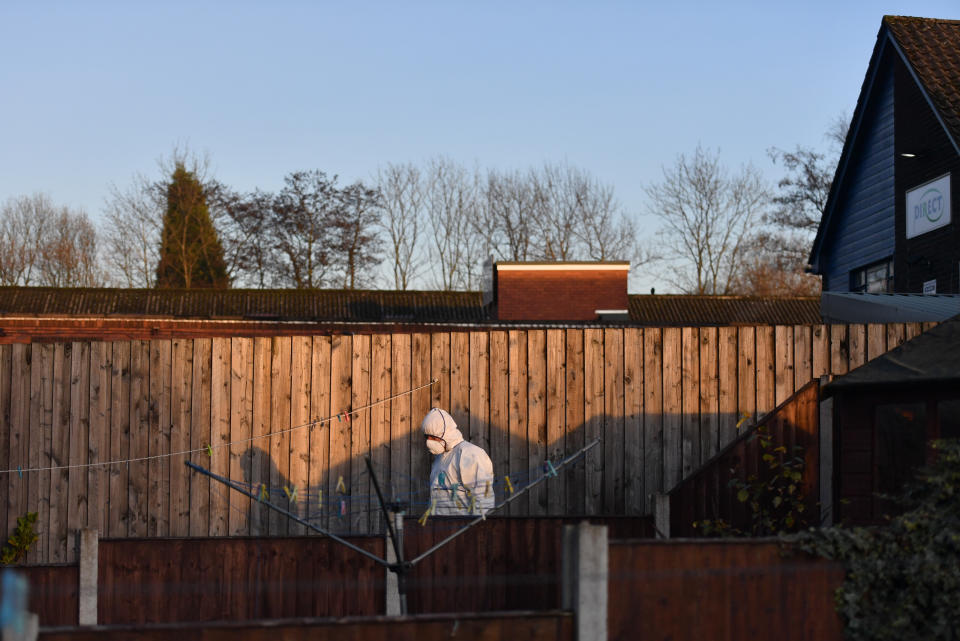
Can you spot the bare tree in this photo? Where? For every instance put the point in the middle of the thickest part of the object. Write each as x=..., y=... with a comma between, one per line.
x=134, y=216
x=401, y=200
x=451, y=204
x=42, y=244
x=707, y=214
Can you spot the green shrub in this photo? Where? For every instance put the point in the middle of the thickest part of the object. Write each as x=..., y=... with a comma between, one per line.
x=20, y=541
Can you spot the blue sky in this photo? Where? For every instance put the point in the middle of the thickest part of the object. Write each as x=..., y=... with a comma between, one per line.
x=93, y=92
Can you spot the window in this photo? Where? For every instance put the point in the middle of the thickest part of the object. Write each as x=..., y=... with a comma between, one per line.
x=949, y=412
x=875, y=278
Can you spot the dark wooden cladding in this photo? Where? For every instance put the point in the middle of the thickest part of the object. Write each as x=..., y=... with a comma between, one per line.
x=706, y=494
x=218, y=579
x=529, y=626
x=719, y=590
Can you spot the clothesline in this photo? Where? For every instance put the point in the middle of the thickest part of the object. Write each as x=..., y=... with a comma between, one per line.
x=208, y=449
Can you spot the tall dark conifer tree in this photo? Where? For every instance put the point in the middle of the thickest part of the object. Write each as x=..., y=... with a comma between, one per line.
x=191, y=255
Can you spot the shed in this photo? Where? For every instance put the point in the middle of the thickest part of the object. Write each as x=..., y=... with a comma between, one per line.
x=885, y=414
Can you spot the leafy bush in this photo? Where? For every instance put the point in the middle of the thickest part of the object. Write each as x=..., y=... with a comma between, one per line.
x=775, y=496
x=20, y=541
x=903, y=579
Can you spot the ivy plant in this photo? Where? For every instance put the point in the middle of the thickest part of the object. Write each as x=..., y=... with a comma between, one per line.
x=903, y=578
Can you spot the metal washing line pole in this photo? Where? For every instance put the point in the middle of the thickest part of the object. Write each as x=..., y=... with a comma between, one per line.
x=400, y=567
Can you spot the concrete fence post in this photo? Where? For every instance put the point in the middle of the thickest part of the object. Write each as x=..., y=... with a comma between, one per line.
x=585, y=572
x=89, y=569
x=661, y=515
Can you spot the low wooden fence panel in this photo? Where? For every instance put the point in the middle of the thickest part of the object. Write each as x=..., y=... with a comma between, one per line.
x=664, y=400
x=706, y=494
x=719, y=590
x=530, y=626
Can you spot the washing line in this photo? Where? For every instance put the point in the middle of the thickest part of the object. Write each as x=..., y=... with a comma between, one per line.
x=208, y=449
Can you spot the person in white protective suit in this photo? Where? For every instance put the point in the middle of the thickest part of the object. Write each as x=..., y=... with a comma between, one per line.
x=461, y=479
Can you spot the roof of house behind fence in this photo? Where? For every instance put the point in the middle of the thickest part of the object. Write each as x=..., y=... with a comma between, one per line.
x=345, y=310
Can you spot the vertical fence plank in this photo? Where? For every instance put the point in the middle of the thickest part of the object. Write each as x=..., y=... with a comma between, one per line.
x=519, y=447
x=380, y=378
x=341, y=370
x=137, y=483
x=19, y=450
x=709, y=394
x=59, y=453
x=420, y=403
x=300, y=359
x=280, y=382
x=672, y=407
x=360, y=490
x=402, y=437
x=690, y=400
x=460, y=382
x=181, y=403
x=499, y=409
x=858, y=345
x=440, y=369
x=556, y=408
x=575, y=478
x=79, y=419
x=41, y=435
x=876, y=340
x=321, y=493
x=219, y=462
x=727, y=384
x=6, y=432
x=746, y=376
x=633, y=421
x=158, y=469
x=200, y=436
x=593, y=417
x=821, y=351
x=802, y=355
x=480, y=389
x=241, y=429
x=613, y=423
x=839, y=350
x=766, y=376
x=260, y=445
x=912, y=330
x=653, y=415
x=537, y=416
x=896, y=336
x=98, y=444
x=119, y=439
x=783, y=353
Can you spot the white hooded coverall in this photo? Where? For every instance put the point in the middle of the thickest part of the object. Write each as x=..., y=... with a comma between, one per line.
x=461, y=479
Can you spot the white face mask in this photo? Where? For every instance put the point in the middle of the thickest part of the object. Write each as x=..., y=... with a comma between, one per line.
x=435, y=447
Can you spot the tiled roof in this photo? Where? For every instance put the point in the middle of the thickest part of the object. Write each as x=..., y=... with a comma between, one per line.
x=723, y=310
x=369, y=306
x=295, y=305
x=932, y=47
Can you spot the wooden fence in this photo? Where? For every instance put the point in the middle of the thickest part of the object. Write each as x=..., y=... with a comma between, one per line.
x=663, y=401
x=706, y=494
x=718, y=590
x=505, y=626
x=504, y=563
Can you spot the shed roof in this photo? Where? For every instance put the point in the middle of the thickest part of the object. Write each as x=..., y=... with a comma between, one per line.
x=931, y=357
x=374, y=306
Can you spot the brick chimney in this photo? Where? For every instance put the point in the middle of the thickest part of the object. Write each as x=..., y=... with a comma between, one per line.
x=561, y=291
